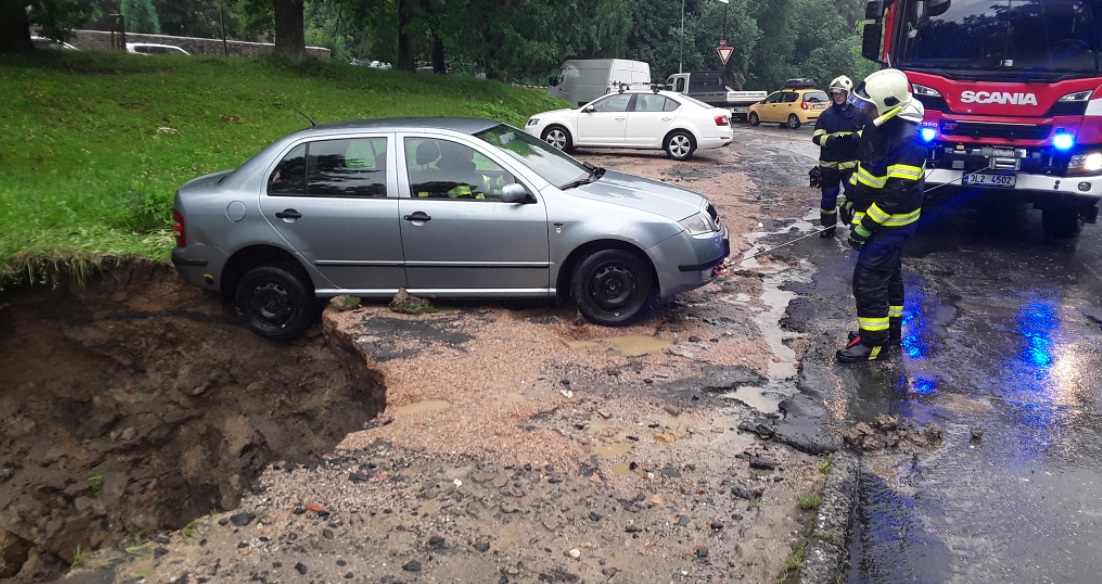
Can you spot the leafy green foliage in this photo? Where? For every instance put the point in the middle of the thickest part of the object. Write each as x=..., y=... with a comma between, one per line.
x=93, y=145
x=141, y=16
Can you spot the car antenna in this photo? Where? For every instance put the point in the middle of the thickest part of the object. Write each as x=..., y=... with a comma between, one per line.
x=312, y=122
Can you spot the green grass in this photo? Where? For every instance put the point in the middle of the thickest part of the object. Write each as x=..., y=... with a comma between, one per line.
x=95, y=482
x=826, y=464
x=94, y=145
x=810, y=501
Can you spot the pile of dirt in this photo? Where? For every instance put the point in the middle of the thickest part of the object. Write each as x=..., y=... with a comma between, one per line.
x=888, y=432
x=136, y=405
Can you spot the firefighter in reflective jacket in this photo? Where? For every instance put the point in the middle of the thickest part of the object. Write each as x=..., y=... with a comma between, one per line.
x=887, y=201
x=836, y=133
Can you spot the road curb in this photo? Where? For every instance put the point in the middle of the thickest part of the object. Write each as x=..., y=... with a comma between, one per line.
x=826, y=557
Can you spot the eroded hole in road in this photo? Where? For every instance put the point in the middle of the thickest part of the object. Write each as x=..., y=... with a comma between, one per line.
x=137, y=405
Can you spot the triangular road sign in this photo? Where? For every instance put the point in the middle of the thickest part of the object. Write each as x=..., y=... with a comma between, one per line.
x=725, y=53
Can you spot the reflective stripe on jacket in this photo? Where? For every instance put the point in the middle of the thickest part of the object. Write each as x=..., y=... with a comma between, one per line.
x=889, y=180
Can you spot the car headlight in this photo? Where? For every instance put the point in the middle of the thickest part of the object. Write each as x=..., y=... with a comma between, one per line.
x=1086, y=163
x=699, y=223
x=532, y=121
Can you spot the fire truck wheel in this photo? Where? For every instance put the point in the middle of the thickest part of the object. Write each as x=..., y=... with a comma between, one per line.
x=1061, y=222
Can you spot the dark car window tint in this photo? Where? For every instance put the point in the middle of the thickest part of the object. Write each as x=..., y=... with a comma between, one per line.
x=816, y=97
x=289, y=176
x=789, y=97
x=616, y=103
x=774, y=98
x=442, y=169
x=347, y=168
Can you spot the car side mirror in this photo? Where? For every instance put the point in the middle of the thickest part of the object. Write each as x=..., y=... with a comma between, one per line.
x=516, y=193
x=589, y=109
x=552, y=81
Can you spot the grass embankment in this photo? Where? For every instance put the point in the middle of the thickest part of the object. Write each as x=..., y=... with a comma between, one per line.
x=94, y=145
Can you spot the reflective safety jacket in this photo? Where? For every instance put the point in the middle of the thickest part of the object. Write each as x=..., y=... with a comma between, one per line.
x=836, y=133
x=890, y=176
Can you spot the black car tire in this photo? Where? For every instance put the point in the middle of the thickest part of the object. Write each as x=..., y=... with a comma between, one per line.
x=277, y=301
x=793, y=121
x=558, y=137
x=1061, y=222
x=612, y=287
x=754, y=119
x=680, y=145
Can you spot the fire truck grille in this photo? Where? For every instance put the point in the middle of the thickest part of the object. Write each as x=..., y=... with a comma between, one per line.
x=1004, y=131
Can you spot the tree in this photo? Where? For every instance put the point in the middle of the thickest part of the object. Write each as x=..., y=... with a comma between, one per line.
x=141, y=16
x=290, y=33
x=55, y=18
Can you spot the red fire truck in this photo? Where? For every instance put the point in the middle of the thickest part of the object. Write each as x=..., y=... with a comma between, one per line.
x=1013, y=98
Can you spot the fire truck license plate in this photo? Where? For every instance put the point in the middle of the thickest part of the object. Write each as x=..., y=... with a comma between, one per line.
x=982, y=179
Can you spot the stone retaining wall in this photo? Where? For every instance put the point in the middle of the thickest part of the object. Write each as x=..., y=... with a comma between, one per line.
x=98, y=40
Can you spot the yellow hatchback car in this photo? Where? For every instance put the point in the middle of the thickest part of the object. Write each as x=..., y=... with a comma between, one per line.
x=790, y=107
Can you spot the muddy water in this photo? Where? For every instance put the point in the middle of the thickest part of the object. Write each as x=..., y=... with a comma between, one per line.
x=133, y=408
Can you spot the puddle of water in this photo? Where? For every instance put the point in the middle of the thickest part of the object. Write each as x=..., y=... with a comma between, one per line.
x=634, y=346
x=428, y=405
x=610, y=450
x=628, y=346
x=621, y=468
x=757, y=398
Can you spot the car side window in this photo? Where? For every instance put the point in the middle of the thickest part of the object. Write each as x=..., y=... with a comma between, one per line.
x=650, y=102
x=670, y=105
x=289, y=176
x=616, y=103
x=789, y=97
x=442, y=169
x=347, y=168
x=776, y=97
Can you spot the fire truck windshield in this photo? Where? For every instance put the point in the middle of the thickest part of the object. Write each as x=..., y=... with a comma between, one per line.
x=1016, y=36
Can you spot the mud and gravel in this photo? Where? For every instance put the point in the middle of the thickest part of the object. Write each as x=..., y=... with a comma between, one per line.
x=149, y=437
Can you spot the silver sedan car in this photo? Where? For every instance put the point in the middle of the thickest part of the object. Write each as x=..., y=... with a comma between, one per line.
x=440, y=207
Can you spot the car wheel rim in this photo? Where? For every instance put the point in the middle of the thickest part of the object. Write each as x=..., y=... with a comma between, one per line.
x=271, y=303
x=613, y=288
x=679, y=146
x=557, y=139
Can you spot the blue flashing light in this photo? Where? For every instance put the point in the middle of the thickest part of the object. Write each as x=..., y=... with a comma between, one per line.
x=1063, y=141
x=928, y=134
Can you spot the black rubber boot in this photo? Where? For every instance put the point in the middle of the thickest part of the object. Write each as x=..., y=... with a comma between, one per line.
x=857, y=351
x=827, y=232
x=895, y=338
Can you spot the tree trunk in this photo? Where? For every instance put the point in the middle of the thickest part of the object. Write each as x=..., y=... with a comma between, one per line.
x=290, y=37
x=438, y=65
x=407, y=10
x=15, y=30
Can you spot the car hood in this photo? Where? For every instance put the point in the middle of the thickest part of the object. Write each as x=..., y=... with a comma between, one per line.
x=554, y=112
x=645, y=194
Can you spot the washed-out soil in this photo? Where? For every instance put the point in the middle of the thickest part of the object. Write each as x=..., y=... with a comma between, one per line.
x=133, y=406
x=491, y=441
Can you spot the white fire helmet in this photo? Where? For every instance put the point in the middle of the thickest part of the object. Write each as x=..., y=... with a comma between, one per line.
x=888, y=90
x=841, y=83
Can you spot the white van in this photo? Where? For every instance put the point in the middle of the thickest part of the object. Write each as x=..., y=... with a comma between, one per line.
x=580, y=81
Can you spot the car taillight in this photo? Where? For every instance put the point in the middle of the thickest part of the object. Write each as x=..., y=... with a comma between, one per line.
x=178, y=228
x=803, y=105
x=723, y=121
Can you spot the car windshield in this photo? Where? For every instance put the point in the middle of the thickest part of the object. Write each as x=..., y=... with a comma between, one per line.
x=1004, y=35
x=552, y=164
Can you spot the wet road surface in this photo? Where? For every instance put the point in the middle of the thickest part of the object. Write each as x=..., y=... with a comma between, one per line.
x=1002, y=335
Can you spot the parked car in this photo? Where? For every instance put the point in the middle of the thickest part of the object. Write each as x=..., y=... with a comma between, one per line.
x=790, y=107
x=370, y=63
x=441, y=207
x=643, y=119
x=154, y=49
x=48, y=43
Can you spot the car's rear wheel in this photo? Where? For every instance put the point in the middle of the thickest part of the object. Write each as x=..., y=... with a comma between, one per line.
x=558, y=137
x=612, y=287
x=277, y=301
x=793, y=121
x=754, y=119
x=680, y=145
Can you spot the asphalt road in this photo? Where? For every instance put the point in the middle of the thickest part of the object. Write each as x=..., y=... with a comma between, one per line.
x=1002, y=336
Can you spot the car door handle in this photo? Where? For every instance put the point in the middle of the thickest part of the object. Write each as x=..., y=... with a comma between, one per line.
x=288, y=214
x=666, y=119
x=621, y=118
x=418, y=216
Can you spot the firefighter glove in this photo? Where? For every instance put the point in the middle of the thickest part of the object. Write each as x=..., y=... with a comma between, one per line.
x=845, y=212
x=858, y=236
x=816, y=175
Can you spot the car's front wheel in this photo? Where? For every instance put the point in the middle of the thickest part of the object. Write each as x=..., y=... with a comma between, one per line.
x=793, y=121
x=558, y=137
x=612, y=287
x=277, y=301
x=754, y=119
x=680, y=145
